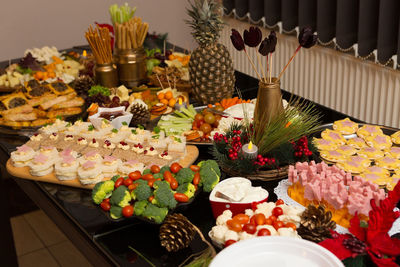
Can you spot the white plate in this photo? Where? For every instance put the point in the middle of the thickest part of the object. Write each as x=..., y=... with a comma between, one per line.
x=275, y=251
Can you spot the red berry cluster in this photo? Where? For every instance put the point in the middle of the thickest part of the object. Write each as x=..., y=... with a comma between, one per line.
x=262, y=161
x=301, y=148
x=219, y=137
x=236, y=145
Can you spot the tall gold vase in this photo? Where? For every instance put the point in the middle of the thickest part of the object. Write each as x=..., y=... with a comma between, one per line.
x=269, y=102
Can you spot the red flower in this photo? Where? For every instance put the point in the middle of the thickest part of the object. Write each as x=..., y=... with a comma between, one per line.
x=381, y=248
x=237, y=40
x=110, y=28
x=252, y=37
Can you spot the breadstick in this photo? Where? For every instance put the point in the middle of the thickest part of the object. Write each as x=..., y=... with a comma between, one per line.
x=120, y=36
x=146, y=27
x=132, y=38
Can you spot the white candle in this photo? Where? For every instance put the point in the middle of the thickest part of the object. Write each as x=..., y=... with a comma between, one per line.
x=250, y=151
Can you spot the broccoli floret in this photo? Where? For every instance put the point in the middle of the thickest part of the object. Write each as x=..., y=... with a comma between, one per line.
x=163, y=195
x=164, y=169
x=120, y=196
x=209, y=174
x=102, y=190
x=115, y=212
x=142, y=191
x=185, y=175
x=140, y=206
x=146, y=171
x=158, y=175
x=115, y=178
x=155, y=213
x=187, y=188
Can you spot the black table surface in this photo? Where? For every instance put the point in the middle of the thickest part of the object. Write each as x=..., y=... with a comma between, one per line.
x=112, y=239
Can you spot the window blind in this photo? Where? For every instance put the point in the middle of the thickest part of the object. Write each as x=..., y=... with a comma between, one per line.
x=369, y=28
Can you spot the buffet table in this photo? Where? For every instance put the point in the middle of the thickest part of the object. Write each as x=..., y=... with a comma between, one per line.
x=106, y=243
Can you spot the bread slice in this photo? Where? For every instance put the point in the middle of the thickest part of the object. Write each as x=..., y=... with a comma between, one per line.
x=64, y=112
x=75, y=102
x=48, y=104
x=21, y=116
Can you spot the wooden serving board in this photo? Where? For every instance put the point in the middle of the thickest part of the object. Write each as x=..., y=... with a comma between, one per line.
x=192, y=152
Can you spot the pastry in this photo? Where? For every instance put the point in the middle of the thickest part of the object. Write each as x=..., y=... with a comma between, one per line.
x=332, y=155
x=396, y=138
x=369, y=130
x=392, y=183
x=356, y=142
x=90, y=172
x=41, y=165
x=351, y=166
x=393, y=152
x=322, y=144
x=333, y=136
x=379, y=141
x=66, y=168
x=370, y=153
x=388, y=163
x=346, y=150
x=22, y=156
x=110, y=166
x=345, y=126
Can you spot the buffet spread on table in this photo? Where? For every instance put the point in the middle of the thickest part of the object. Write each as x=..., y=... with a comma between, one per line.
x=120, y=120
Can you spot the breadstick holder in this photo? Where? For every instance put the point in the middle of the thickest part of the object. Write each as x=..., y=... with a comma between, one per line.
x=106, y=75
x=131, y=66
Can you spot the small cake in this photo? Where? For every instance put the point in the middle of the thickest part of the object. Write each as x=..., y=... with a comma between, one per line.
x=375, y=178
x=36, y=140
x=176, y=143
x=138, y=148
x=68, y=152
x=49, y=151
x=322, y=144
x=90, y=172
x=41, y=165
x=66, y=168
x=363, y=161
x=388, y=163
x=91, y=155
x=110, y=166
x=22, y=156
x=347, y=150
x=345, y=126
x=135, y=137
x=382, y=172
x=369, y=130
x=396, y=138
x=123, y=145
x=393, y=152
x=351, y=166
x=114, y=136
x=332, y=155
x=393, y=181
x=379, y=141
x=371, y=153
x=333, y=136
x=157, y=142
x=356, y=142
x=130, y=166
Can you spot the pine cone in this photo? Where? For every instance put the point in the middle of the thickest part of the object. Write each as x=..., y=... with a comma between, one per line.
x=141, y=115
x=315, y=224
x=176, y=232
x=82, y=85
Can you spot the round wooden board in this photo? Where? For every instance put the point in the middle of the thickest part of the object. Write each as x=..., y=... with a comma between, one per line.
x=192, y=152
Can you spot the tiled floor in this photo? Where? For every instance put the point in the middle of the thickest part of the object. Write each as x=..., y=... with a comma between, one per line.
x=39, y=242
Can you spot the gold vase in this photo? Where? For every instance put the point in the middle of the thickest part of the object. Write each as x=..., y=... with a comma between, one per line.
x=269, y=102
x=131, y=66
x=106, y=75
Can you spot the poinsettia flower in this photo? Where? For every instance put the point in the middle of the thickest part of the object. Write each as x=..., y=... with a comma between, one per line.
x=268, y=44
x=252, y=37
x=307, y=38
x=335, y=245
x=111, y=30
x=237, y=40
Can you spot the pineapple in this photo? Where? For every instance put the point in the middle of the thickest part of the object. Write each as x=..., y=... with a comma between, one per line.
x=210, y=66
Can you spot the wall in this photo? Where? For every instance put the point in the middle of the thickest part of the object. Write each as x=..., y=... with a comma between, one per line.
x=36, y=23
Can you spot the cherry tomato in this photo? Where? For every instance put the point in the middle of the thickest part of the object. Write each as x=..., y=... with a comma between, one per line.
x=273, y=218
x=234, y=225
x=229, y=242
x=269, y=221
x=173, y=184
x=180, y=197
x=253, y=220
x=136, y=175
x=241, y=218
x=264, y=232
x=155, y=169
x=175, y=167
x=278, y=224
x=291, y=225
x=249, y=228
x=196, y=178
x=260, y=219
x=167, y=176
x=151, y=182
x=107, y=200
x=195, y=168
x=198, y=117
x=128, y=182
x=277, y=211
x=147, y=177
x=132, y=187
x=106, y=206
x=119, y=182
x=279, y=202
x=127, y=211
x=151, y=198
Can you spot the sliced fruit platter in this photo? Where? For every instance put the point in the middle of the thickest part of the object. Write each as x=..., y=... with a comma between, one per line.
x=151, y=194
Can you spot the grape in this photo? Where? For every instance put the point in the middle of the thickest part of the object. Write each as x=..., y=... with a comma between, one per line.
x=168, y=53
x=116, y=100
x=114, y=105
x=159, y=56
x=125, y=104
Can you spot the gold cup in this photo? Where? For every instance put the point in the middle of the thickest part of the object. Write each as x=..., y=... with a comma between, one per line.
x=269, y=101
x=131, y=66
x=106, y=75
